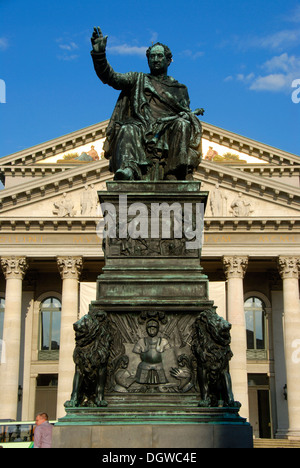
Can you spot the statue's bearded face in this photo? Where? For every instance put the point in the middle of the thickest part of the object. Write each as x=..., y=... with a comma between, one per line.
x=158, y=63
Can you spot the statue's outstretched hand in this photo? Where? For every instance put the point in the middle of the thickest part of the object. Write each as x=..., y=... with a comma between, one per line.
x=98, y=41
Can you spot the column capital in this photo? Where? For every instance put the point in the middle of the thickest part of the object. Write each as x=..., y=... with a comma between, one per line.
x=288, y=266
x=235, y=266
x=69, y=267
x=14, y=267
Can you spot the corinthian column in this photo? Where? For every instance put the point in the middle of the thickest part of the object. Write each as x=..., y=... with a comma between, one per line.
x=14, y=269
x=70, y=269
x=235, y=269
x=289, y=272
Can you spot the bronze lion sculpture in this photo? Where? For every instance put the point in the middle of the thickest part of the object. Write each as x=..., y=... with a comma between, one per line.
x=91, y=353
x=211, y=347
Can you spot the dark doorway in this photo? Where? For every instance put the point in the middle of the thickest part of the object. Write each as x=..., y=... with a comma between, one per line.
x=264, y=414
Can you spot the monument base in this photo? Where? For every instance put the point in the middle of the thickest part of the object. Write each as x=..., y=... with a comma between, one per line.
x=153, y=436
x=156, y=325
x=158, y=424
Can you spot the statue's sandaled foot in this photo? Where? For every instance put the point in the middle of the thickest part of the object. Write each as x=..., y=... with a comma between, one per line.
x=71, y=403
x=234, y=404
x=171, y=177
x=101, y=403
x=124, y=174
x=189, y=176
x=204, y=403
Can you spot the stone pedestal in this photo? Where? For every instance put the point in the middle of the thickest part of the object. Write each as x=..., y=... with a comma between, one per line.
x=145, y=263
x=155, y=424
x=152, y=291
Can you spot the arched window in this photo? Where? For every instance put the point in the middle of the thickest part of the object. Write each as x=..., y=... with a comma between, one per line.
x=50, y=310
x=2, y=307
x=255, y=323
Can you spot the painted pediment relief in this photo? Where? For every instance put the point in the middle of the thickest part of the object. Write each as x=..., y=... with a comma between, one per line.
x=222, y=154
x=94, y=152
x=80, y=155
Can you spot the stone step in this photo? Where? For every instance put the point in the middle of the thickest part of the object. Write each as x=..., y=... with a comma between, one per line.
x=276, y=443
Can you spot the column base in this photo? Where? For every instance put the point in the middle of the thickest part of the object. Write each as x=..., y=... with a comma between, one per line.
x=293, y=434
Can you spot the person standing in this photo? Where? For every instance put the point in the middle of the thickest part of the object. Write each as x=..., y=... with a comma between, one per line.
x=42, y=432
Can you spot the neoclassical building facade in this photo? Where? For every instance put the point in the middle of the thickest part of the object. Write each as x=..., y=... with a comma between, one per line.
x=51, y=256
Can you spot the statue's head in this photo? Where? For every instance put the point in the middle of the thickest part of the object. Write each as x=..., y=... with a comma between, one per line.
x=159, y=58
x=152, y=327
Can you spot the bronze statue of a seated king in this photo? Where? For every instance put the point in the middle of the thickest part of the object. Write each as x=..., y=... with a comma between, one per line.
x=152, y=133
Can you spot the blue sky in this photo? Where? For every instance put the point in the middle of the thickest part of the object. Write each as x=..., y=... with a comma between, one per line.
x=237, y=58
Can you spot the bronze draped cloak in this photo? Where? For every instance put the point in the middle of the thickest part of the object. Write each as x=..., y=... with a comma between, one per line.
x=143, y=101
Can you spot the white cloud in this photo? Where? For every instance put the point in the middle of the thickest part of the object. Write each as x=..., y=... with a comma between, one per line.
x=70, y=46
x=279, y=73
x=279, y=40
x=3, y=43
x=294, y=15
x=272, y=82
x=125, y=49
x=283, y=69
x=245, y=78
x=67, y=57
x=283, y=62
x=154, y=37
x=191, y=54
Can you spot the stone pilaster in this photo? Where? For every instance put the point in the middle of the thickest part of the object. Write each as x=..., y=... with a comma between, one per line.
x=288, y=267
x=14, y=269
x=235, y=268
x=70, y=269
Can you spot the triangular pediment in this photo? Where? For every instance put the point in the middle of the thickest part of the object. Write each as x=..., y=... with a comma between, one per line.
x=213, y=136
x=45, y=177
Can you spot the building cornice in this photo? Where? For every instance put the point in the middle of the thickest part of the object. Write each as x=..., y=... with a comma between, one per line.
x=18, y=224
x=44, y=224
x=46, y=170
x=266, y=170
x=35, y=170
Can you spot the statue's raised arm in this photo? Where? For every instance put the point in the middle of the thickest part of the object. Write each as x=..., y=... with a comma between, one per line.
x=103, y=69
x=152, y=134
x=98, y=41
